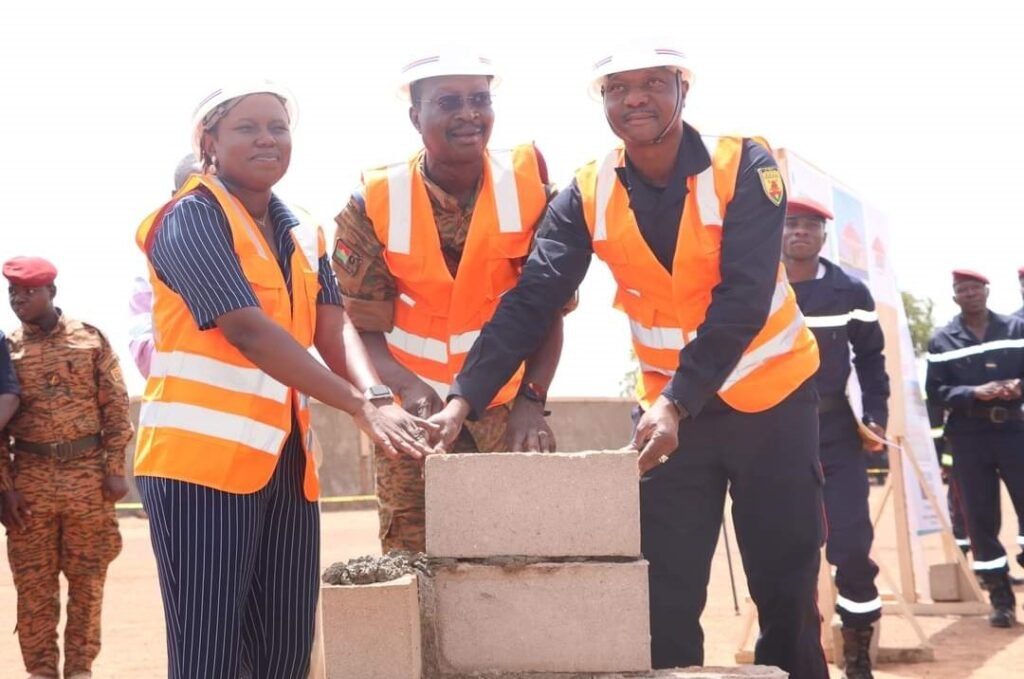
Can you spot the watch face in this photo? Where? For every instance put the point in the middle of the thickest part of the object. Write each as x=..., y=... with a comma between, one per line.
x=379, y=391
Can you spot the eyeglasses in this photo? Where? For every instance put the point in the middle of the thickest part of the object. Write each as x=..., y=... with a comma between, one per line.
x=450, y=103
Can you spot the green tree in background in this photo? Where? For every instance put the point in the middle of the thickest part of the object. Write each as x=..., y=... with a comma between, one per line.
x=627, y=385
x=919, y=318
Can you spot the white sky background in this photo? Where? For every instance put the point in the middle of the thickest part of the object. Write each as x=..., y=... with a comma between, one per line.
x=916, y=106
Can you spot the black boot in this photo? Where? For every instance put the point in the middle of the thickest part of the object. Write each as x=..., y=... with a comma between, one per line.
x=856, y=652
x=1003, y=601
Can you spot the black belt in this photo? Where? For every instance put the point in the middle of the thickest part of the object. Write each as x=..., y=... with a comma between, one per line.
x=65, y=450
x=830, y=404
x=996, y=414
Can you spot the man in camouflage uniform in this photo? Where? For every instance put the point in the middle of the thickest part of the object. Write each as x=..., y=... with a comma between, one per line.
x=62, y=460
x=451, y=166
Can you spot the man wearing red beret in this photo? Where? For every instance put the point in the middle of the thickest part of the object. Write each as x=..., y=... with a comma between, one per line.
x=975, y=368
x=62, y=470
x=840, y=311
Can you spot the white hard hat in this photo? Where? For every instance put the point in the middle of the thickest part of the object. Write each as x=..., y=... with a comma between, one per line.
x=448, y=60
x=240, y=89
x=635, y=56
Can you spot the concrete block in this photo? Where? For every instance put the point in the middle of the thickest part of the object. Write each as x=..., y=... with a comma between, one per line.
x=533, y=504
x=541, y=617
x=947, y=582
x=372, y=631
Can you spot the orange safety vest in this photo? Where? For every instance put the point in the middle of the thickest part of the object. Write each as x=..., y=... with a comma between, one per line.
x=666, y=310
x=437, y=317
x=209, y=415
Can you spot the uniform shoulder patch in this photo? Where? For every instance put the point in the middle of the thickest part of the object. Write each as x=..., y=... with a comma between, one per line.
x=347, y=258
x=771, y=182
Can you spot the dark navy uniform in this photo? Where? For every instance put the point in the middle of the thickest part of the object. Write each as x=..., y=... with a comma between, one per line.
x=986, y=437
x=937, y=420
x=771, y=471
x=841, y=313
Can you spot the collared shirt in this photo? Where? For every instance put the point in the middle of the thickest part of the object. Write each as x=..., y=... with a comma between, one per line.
x=751, y=246
x=366, y=283
x=71, y=388
x=192, y=253
x=841, y=313
x=140, y=330
x=8, y=376
x=958, y=361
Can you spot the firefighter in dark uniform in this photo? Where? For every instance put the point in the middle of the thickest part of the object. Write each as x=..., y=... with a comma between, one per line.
x=841, y=312
x=975, y=367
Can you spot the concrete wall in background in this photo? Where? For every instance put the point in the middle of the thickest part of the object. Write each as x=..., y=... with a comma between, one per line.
x=347, y=467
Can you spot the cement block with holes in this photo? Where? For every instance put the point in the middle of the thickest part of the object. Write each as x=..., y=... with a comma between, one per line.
x=372, y=631
x=542, y=617
x=533, y=504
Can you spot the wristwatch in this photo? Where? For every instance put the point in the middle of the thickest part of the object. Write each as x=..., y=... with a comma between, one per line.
x=379, y=394
x=532, y=391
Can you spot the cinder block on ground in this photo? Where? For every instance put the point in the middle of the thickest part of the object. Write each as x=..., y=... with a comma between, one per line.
x=542, y=617
x=947, y=582
x=533, y=504
x=372, y=631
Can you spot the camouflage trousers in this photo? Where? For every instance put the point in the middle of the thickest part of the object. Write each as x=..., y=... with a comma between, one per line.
x=72, y=530
x=400, y=499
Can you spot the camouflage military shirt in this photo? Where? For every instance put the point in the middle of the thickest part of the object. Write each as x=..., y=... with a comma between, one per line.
x=71, y=387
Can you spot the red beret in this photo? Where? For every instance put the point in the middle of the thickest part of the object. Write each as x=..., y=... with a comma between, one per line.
x=805, y=206
x=961, y=275
x=31, y=272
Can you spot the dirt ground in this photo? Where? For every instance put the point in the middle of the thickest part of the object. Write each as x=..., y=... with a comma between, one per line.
x=133, y=634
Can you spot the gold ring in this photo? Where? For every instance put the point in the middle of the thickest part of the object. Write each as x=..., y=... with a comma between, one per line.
x=663, y=459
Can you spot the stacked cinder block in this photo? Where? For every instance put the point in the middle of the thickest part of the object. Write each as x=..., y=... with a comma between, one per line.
x=537, y=566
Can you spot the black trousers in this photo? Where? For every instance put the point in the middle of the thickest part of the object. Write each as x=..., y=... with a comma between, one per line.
x=849, y=519
x=769, y=462
x=980, y=460
x=238, y=573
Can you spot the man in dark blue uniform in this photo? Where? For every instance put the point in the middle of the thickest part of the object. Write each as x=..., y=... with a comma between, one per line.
x=694, y=445
x=841, y=312
x=975, y=367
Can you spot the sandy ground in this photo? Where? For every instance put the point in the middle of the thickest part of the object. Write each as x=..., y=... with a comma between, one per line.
x=133, y=633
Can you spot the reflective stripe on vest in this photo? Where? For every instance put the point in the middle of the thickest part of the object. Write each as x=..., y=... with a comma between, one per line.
x=206, y=370
x=198, y=420
x=666, y=311
x=421, y=347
